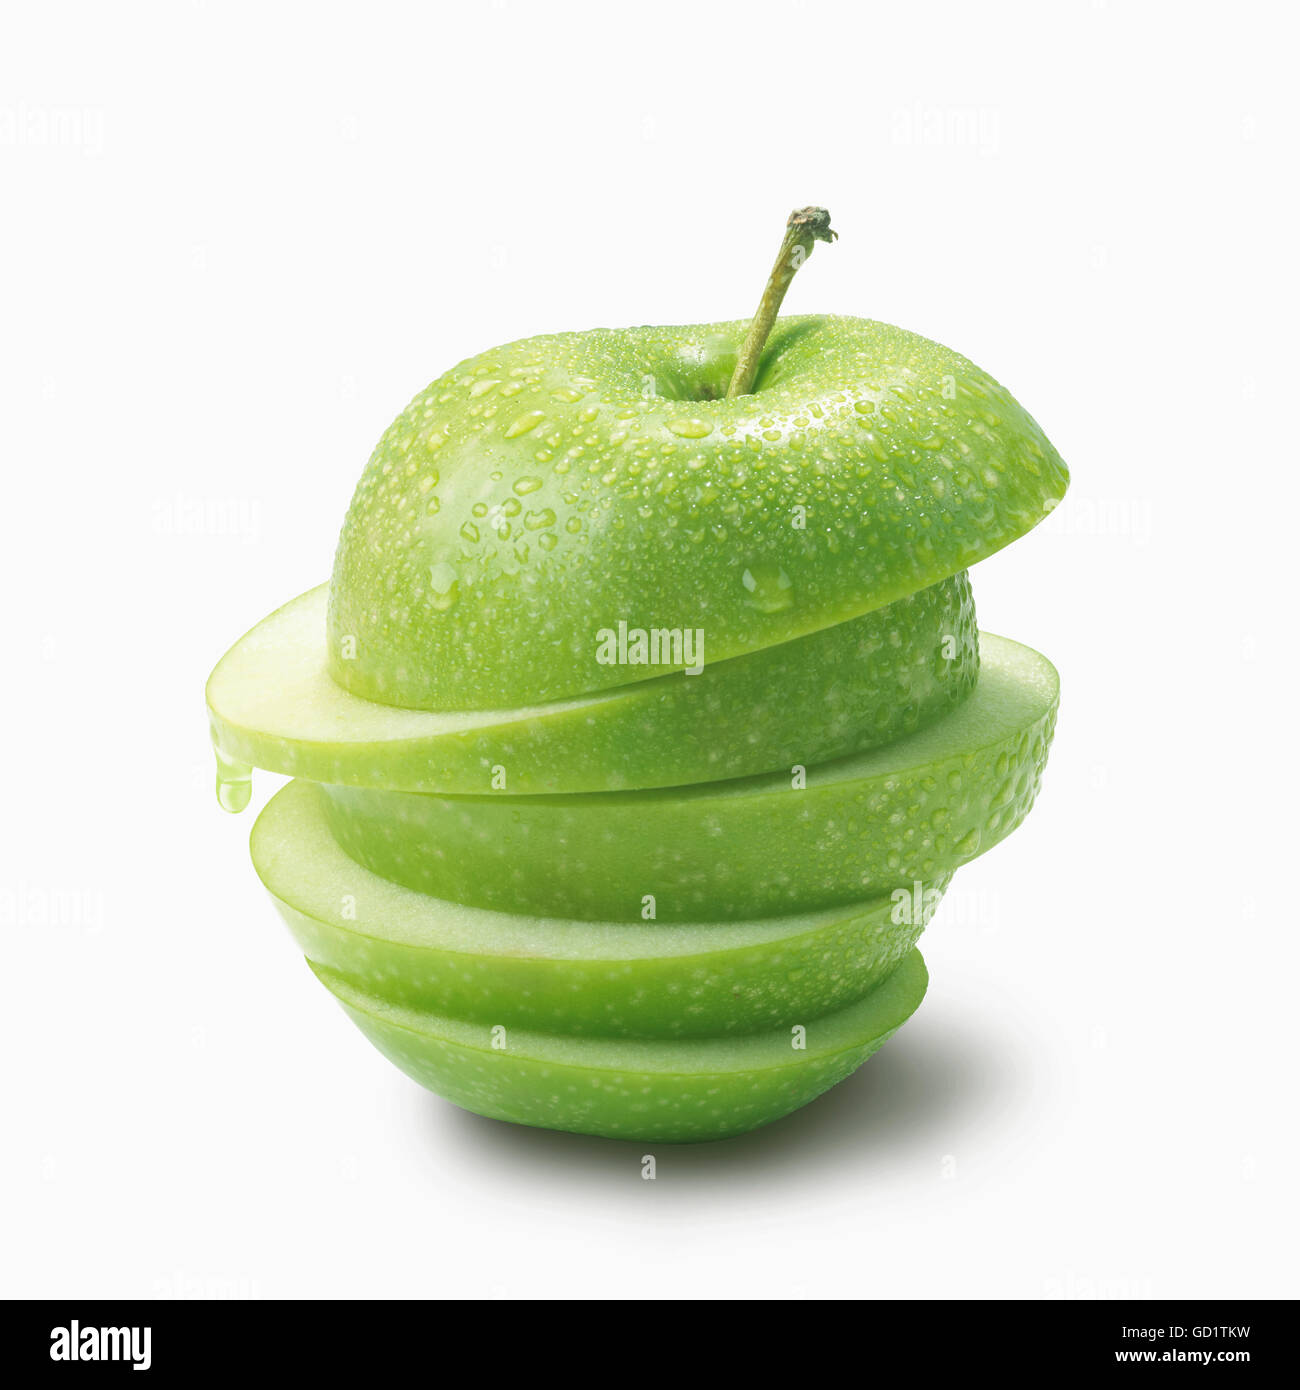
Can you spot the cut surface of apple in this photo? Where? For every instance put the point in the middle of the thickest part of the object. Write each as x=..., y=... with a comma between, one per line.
x=680, y=1091
x=590, y=978
x=272, y=703
x=549, y=489
x=860, y=827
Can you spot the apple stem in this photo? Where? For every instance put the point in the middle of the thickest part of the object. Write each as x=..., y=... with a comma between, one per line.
x=805, y=228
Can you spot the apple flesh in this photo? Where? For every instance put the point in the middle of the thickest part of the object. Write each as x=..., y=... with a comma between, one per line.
x=554, y=487
x=845, y=689
x=680, y=1091
x=913, y=811
x=585, y=978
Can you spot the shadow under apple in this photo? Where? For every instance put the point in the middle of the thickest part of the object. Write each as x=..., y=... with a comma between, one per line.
x=908, y=1104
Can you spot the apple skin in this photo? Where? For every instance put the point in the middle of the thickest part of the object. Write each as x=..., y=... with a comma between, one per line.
x=551, y=488
x=683, y=1091
x=915, y=810
x=562, y=976
x=845, y=689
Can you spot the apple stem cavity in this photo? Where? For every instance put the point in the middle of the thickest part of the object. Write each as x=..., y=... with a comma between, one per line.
x=804, y=229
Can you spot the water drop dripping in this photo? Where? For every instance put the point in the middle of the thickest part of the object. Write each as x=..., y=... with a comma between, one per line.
x=234, y=781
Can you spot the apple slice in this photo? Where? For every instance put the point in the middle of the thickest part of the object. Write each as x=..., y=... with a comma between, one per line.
x=678, y=1091
x=273, y=704
x=551, y=488
x=912, y=811
x=710, y=979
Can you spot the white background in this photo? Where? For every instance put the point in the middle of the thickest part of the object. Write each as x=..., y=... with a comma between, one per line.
x=239, y=237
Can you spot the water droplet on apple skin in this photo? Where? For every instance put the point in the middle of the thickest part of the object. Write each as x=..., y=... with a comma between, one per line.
x=689, y=428
x=768, y=587
x=524, y=423
x=444, y=584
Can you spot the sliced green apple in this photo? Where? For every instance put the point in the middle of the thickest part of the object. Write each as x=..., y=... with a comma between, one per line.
x=912, y=811
x=679, y=1091
x=552, y=488
x=709, y=979
x=272, y=703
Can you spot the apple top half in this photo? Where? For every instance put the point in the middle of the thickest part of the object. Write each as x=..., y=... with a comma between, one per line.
x=539, y=495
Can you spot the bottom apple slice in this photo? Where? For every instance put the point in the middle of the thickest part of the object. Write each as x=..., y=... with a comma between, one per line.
x=681, y=1091
x=603, y=979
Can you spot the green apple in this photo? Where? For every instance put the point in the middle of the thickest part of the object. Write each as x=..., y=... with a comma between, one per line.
x=559, y=976
x=644, y=719
x=914, y=810
x=847, y=688
x=679, y=1091
x=545, y=491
